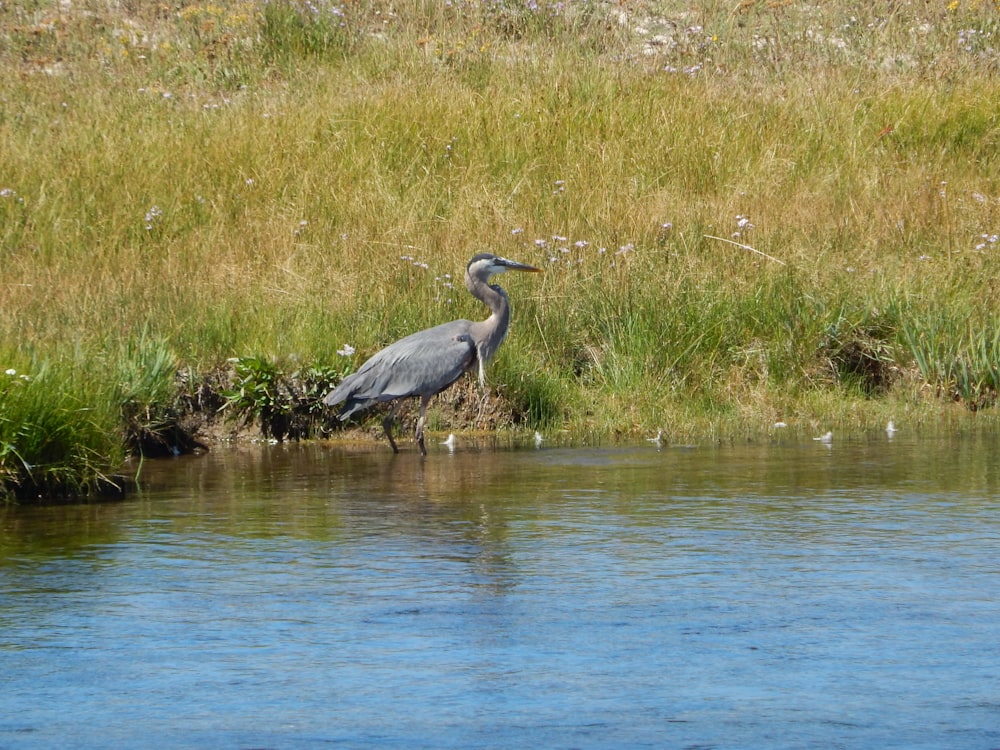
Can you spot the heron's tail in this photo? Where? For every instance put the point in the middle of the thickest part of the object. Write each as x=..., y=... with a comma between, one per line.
x=344, y=394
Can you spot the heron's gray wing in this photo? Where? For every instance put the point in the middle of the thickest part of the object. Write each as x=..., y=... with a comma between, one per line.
x=422, y=364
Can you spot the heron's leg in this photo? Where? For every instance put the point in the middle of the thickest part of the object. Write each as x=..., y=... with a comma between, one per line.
x=484, y=402
x=420, y=424
x=387, y=426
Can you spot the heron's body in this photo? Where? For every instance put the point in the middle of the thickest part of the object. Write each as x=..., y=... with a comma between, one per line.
x=427, y=362
x=422, y=364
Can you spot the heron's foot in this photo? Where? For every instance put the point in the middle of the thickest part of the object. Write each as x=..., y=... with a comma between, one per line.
x=420, y=436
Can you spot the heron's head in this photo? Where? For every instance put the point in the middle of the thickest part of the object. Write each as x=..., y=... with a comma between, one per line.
x=485, y=265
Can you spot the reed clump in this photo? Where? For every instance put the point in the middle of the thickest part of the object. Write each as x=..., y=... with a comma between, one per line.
x=55, y=437
x=747, y=212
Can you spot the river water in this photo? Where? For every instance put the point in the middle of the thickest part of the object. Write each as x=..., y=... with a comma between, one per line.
x=785, y=595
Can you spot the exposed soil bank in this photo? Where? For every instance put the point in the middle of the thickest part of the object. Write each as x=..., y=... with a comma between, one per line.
x=209, y=412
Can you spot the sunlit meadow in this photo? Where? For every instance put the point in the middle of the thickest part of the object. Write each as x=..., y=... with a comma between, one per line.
x=748, y=213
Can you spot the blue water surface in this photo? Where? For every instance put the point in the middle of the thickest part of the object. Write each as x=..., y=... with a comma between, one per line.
x=784, y=595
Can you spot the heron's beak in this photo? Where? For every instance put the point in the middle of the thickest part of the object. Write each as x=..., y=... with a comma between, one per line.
x=513, y=265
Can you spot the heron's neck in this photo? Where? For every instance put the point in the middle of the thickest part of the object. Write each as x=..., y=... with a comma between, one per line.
x=492, y=330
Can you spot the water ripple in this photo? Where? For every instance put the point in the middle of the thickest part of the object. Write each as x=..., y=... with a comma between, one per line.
x=596, y=598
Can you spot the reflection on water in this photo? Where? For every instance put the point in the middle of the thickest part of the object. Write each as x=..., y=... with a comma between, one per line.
x=788, y=595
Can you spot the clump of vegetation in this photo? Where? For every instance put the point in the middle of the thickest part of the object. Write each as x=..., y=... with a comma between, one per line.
x=863, y=355
x=285, y=405
x=746, y=211
x=960, y=360
x=55, y=439
x=156, y=402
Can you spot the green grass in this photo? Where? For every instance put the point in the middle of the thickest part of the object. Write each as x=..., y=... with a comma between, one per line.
x=56, y=436
x=188, y=185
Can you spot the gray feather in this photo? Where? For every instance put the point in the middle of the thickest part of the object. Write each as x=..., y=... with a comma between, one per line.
x=422, y=364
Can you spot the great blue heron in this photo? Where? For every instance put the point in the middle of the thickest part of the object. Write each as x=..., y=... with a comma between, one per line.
x=426, y=362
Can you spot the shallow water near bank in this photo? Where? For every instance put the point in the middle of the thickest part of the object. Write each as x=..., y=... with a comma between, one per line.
x=784, y=595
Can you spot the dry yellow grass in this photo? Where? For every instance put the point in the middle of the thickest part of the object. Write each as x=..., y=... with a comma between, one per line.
x=248, y=178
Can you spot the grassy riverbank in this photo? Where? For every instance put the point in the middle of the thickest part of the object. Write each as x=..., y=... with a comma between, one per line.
x=747, y=212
